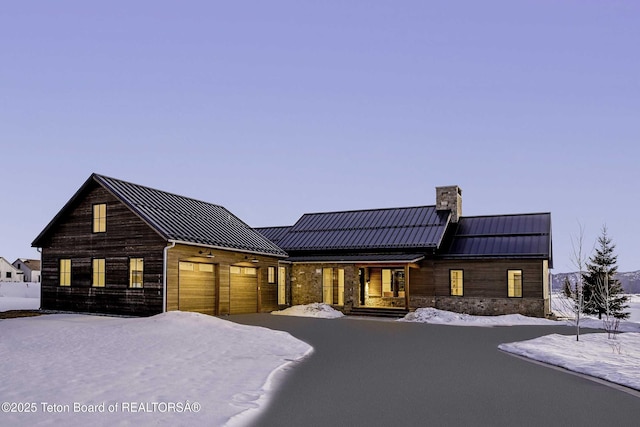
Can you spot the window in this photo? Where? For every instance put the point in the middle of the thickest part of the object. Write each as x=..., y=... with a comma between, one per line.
x=8, y=275
x=100, y=218
x=333, y=286
x=271, y=273
x=282, y=285
x=136, y=272
x=327, y=285
x=514, y=278
x=98, y=273
x=456, y=280
x=340, y=286
x=392, y=282
x=65, y=272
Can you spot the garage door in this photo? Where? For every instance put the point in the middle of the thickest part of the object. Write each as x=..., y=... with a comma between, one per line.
x=197, y=288
x=244, y=290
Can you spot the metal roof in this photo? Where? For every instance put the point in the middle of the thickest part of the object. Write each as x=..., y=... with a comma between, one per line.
x=182, y=219
x=520, y=236
x=395, y=228
x=275, y=234
x=357, y=258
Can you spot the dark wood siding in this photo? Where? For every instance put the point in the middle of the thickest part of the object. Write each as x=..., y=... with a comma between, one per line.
x=126, y=236
x=422, y=279
x=488, y=278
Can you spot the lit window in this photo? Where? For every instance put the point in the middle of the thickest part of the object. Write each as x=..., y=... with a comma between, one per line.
x=282, y=280
x=136, y=272
x=272, y=274
x=65, y=272
x=456, y=281
x=327, y=285
x=340, y=286
x=392, y=282
x=98, y=273
x=100, y=218
x=250, y=271
x=515, y=283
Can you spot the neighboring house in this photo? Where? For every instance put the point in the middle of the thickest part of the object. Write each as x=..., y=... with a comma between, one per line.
x=121, y=248
x=8, y=273
x=30, y=268
x=426, y=256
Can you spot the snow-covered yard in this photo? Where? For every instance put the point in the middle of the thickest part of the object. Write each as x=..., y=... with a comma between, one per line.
x=19, y=296
x=154, y=370
x=175, y=368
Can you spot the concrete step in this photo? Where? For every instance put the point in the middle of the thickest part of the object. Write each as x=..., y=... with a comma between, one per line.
x=379, y=312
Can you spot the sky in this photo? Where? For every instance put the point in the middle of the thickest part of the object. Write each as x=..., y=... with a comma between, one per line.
x=280, y=108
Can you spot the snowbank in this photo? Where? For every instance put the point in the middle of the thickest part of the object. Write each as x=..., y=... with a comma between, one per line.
x=19, y=296
x=616, y=360
x=140, y=371
x=440, y=317
x=316, y=309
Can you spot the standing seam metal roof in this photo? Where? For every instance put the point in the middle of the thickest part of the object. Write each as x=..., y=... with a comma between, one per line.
x=522, y=235
x=180, y=219
x=394, y=228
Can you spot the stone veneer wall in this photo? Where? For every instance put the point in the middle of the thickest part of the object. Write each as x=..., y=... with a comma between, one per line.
x=387, y=302
x=306, y=284
x=533, y=307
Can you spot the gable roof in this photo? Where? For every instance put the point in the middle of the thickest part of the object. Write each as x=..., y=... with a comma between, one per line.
x=180, y=219
x=275, y=234
x=31, y=264
x=499, y=236
x=375, y=229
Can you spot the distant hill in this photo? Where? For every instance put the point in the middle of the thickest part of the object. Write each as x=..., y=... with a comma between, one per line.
x=630, y=281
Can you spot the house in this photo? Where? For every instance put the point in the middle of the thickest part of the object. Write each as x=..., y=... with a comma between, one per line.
x=30, y=269
x=8, y=273
x=122, y=248
x=425, y=256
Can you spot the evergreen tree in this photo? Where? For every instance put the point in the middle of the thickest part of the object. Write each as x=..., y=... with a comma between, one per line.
x=602, y=292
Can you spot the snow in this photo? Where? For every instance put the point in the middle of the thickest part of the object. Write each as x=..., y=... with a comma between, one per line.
x=562, y=307
x=595, y=355
x=19, y=296
x=228, y=369
x=440, y=317
x=316, y=309
x=175, y=368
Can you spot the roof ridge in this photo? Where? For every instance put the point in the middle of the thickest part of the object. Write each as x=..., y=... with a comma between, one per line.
x=505, y=215
x=368, y=210
x=157, y=190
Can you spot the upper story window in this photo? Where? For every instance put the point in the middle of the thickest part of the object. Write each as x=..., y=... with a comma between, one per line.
x=65, y=272
x=514, y=279
x=100, y=218
x=456, y=279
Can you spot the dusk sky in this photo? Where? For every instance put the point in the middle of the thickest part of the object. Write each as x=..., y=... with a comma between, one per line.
x=278, y=108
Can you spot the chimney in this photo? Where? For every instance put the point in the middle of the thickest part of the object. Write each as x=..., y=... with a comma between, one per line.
x=449, y=198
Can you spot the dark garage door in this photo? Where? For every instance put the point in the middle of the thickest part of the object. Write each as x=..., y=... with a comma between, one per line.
x=197, y=288
x=244, y=290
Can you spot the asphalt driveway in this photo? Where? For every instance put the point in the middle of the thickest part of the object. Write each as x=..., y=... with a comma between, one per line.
x=385, y=373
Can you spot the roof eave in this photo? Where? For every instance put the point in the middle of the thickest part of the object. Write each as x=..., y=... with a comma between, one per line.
x=223, y=248
x=37, y=241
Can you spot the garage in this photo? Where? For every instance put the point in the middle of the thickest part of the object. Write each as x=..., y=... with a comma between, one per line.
x=197, y=287
x=244, y=290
